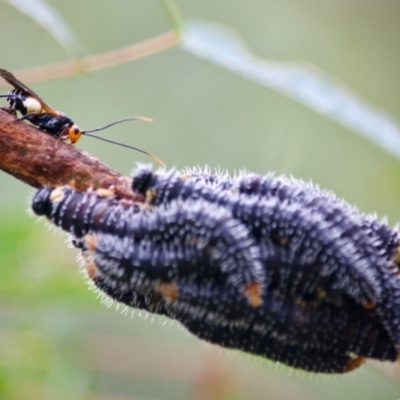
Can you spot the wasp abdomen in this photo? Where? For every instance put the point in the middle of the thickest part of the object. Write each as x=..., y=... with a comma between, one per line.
x=23, y=103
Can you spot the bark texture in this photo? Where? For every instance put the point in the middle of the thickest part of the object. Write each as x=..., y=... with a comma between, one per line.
x=39, y=159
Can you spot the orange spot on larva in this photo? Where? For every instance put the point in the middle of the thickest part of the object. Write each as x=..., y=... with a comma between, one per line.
x=91, y=242
x=186, y=176
x=253, y=293
x=91, y=269
x=369, y=305
x=354, y=363
x=169, y=290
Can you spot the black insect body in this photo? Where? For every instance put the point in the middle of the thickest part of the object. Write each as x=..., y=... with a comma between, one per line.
x=59, y=126
x=213, y=242
x=22, y=102
x=281, y=329
x=35, y=110
x=38, y=112
x=373, y=245
x=283, y=222
x=272, y=266
x=319, y=337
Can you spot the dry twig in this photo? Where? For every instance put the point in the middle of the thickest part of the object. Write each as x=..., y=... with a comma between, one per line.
x=38, y=159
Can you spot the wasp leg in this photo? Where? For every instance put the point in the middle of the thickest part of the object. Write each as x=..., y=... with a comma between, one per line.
x=26, y=116
x=55, y=144
x=10, y=110
x=61, y=136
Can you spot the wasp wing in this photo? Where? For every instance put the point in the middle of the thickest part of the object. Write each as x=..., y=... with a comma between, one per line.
x=13, y=81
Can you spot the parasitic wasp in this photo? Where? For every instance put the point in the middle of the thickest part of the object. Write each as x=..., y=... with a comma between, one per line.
x=35, y=110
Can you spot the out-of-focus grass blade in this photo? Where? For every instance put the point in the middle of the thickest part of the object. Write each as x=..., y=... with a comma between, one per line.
x=174, y=14
x=45, y=15
x=299, y=81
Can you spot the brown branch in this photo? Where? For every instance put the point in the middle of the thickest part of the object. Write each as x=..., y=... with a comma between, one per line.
x=38, y=159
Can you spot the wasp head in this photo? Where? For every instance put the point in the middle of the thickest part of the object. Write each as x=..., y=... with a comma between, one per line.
x=74, y=133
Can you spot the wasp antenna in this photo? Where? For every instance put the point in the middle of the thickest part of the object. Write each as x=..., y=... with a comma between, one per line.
x=145, y=119
x=129, y=147
x=9, y=95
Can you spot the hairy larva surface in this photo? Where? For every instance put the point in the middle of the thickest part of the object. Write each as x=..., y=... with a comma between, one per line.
x=269, y=265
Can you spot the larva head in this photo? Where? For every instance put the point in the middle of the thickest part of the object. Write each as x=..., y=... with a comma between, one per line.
x=40, y=202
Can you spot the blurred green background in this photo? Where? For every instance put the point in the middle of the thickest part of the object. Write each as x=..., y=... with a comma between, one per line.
x=57, y=341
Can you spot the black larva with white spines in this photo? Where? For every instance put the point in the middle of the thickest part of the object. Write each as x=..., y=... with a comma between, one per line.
x=322, y=338
x=308, y=233
x=165, y=243
x=269, y=265
x=79, y=213
x=162, y=187
x=179, y=242
x=303, y=221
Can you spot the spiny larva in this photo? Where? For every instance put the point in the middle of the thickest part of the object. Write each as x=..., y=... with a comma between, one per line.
x=269, y=265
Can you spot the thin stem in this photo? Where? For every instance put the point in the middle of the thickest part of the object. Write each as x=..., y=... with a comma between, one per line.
x=98, y=61
x=174, y=14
